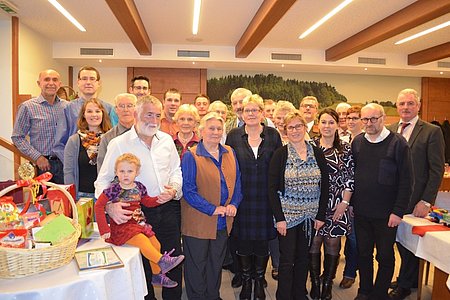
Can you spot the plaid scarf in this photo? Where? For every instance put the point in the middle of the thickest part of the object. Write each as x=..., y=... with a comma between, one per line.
x=90, y=141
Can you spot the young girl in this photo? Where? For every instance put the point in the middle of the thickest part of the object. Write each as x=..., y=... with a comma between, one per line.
x=135, y=232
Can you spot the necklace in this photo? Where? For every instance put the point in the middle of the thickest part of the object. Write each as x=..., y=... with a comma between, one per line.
x=183, y=140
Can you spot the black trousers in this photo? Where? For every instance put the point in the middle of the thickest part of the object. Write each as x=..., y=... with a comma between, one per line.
x=409, y=268
x=293, y=267
x=203, y=266
x=370, y=233
x=166, y=222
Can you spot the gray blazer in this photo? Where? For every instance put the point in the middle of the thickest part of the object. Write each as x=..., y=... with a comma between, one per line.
x=427, y=149
x=71, y=153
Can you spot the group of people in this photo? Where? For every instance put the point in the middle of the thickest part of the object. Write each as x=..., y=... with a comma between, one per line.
x=267, y=180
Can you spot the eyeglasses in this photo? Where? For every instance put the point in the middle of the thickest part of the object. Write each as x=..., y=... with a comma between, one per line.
x=123, y=106
x=296, y=127
x=372, y=120
x=308, y=106
x=354, y=119
x=144, y=88
x=253, y=111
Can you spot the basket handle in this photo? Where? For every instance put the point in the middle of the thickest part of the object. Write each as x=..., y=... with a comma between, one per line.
x=51, y=184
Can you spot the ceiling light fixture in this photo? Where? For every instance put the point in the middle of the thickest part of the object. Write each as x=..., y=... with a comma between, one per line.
x=326, y=18
x=197, y=6
x=66, y=14
x=430, y=30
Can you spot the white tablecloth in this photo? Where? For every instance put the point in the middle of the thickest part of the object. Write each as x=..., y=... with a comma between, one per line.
x=68, y=282
x=433, y=246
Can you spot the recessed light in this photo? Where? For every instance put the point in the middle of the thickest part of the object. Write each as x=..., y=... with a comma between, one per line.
x=365, y=69
x=99, y=60
x=442, y=73
x=193, y=62
x=282, y=65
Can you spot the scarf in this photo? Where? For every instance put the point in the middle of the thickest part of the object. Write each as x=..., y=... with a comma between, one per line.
x=90, y=141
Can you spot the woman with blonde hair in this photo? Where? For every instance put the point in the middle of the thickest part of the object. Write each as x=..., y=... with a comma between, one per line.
x=281, y=110
x=186, y=118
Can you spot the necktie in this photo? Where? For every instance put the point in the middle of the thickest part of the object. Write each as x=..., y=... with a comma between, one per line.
x=404, y=125
x=240, y=123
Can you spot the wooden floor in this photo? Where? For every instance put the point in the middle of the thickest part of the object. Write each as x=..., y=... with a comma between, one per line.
x=228, y=293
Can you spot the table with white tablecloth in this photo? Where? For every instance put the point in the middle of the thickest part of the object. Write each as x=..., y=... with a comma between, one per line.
x=68, y=282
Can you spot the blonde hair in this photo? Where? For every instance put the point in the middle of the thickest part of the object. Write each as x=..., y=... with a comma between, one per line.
x=187, y=109
x=410, y=92
x=283, y=106
x=255, y=99
x=216, y=104
x=240, y=91
x=310, y=98
x=292, y=115
x=129, y=158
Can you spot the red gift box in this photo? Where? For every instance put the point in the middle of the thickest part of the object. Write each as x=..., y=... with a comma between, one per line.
x=59, y=201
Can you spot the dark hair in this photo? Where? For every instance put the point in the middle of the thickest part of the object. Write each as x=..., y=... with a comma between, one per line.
x=105, y=125
x=202, y=96
x=141, y=77
x=89, y=68
x=173, y=91
x=337, y=144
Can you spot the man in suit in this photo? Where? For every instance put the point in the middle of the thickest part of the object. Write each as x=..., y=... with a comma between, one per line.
x=236, y=98
x=427, y=147
x=309, y=108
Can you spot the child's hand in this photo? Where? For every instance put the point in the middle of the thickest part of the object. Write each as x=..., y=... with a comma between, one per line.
x=106, y=235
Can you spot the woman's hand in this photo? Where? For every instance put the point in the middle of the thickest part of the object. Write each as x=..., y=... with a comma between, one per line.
x=339, y=211
x=281, y=228
x=230, y=210
x=318, y=224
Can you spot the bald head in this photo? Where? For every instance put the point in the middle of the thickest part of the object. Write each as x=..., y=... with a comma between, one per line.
x=49, y=82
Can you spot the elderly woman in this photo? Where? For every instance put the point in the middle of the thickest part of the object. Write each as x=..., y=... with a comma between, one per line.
x=80, y=153
x=298, y=195
x=337, y=220
x=281, y=109
x=212, y=193
x=186, y=118
x=254, y=144
x=222, y=109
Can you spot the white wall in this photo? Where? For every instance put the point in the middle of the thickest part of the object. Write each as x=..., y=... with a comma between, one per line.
x=113, y=81
x=357, y=88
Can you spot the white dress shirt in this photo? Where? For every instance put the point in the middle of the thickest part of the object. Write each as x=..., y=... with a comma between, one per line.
x=160, y=163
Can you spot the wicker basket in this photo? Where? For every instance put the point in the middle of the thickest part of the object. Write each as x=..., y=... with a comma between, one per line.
x=16, y=263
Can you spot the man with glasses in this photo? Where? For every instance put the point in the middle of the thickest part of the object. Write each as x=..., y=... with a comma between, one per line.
x=341, y=109
x=427, y=147
x=161, y=175
x=140, y=86
x=125, y=106
x=88, y=84
x=383, y=186
x=309, y=108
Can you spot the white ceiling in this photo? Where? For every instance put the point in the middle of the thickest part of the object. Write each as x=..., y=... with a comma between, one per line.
x=222, y=23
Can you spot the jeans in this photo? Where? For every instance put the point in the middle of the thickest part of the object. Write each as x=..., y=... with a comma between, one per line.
x=351, y=254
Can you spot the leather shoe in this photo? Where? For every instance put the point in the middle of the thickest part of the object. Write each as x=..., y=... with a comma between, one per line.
x=393, y=285
x=236, y=282
x=346, y=283
x=275, y=274
x=399, y=293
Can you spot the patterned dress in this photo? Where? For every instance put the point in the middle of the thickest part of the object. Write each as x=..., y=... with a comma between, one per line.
x=341, y=174
x=121, y=233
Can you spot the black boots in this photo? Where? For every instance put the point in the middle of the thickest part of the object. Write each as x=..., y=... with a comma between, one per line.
x=330, y=266
x=314, y=272
x=260, y=270
x=246, y=267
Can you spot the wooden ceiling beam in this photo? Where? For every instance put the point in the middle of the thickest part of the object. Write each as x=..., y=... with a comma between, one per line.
x=430, y=54
x=405, y=19
x=130, y=20
x=268, y=14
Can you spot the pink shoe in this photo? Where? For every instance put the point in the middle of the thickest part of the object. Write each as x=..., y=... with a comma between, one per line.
x=164, y=281
x=167, y=262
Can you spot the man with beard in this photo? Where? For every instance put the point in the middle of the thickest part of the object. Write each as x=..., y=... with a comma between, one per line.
x=384, y=182
x=427, y=148
x=161, y=175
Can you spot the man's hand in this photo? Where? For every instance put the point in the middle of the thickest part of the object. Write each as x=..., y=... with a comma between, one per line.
x=117, y=213
x=43, y=163
x=394, y=220
x=106, y=235
x=281, y=228
x=230, y=210
x=420, y=210
x=168, y=194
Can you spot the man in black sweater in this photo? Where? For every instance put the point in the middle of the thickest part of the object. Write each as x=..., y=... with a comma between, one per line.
x=383, y=187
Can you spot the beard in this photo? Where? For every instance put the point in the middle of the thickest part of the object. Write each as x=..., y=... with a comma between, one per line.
x=147, y=129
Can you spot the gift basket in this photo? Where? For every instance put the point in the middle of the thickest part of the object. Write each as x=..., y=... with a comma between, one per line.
x=18, y=262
